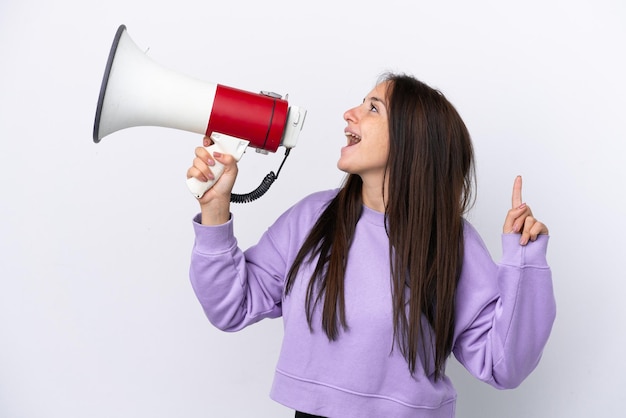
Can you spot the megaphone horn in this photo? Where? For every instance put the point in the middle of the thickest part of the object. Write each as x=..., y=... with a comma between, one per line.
x=136, y=91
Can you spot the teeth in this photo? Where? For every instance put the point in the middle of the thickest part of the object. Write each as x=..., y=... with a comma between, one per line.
x=352, y=138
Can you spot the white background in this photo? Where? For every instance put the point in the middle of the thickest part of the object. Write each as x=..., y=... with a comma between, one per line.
x=97, y=317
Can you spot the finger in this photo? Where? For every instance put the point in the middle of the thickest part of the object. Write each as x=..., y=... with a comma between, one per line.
x=225, y=159
x=207, y=141
x=205, y=168
x=516, y=199
x=201, y=167
x=205, y=155
x=532, y=229
x=204, y=159
x=537, y=229
x=526, y=232
x=509, y=221
x=196, y=173
x=514, y=220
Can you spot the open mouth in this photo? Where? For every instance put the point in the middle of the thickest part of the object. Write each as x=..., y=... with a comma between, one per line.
x=352, y=138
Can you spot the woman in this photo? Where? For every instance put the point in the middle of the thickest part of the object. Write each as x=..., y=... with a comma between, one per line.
x=380, y=281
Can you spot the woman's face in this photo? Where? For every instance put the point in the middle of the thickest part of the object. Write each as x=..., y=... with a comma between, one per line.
x=368, y=137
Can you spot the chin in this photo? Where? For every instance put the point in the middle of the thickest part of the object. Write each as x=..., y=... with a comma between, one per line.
x=342, y=167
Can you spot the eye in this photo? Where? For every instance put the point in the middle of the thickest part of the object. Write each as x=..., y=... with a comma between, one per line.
x=373, y=108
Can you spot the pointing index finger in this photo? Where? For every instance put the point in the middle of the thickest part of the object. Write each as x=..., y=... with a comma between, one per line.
x=516, y=199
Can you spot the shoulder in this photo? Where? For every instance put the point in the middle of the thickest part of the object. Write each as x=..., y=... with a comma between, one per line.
x=321, y=197
x=313, y=204
x=304, y=213
x=478, y=267
x=472, y=239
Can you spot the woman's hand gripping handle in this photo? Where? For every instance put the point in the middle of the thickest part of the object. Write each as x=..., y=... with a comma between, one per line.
x=217, y=160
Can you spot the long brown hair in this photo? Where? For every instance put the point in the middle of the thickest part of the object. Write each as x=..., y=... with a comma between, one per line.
x=430, y=179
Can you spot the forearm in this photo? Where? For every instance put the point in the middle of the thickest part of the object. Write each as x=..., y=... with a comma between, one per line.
x=527, y=313
x=502, y=342
x=215, y=212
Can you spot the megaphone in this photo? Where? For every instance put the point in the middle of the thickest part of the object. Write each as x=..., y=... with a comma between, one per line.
x=136, y=91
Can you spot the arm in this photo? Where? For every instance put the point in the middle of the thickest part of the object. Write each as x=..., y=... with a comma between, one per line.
x=233, y=289
x=505, y=312
x=239, y=288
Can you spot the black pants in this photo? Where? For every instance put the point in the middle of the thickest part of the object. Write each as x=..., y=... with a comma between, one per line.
x=305, y=415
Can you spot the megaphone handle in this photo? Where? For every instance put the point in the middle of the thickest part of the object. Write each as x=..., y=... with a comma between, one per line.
x=199, y=188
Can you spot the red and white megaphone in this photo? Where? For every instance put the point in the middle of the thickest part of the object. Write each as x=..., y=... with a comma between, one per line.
x=136, y=91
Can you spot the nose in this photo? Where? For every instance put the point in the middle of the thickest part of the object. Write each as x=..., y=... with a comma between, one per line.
x=350, y=115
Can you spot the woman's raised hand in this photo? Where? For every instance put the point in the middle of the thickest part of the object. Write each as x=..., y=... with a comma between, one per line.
x=520, y=219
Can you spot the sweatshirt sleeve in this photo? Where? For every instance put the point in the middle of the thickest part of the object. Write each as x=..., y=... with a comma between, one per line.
x=235, y=289
x=505, y=311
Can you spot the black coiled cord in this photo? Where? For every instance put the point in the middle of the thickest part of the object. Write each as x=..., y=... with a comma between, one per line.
x=263, y=187
x=256, y=193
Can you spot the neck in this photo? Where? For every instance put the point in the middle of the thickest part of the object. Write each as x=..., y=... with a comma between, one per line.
x=373, y=196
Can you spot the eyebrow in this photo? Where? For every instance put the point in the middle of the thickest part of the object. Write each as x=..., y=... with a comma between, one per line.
x=375, y=99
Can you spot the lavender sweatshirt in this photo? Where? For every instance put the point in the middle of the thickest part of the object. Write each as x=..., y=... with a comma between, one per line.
x=504, y=314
